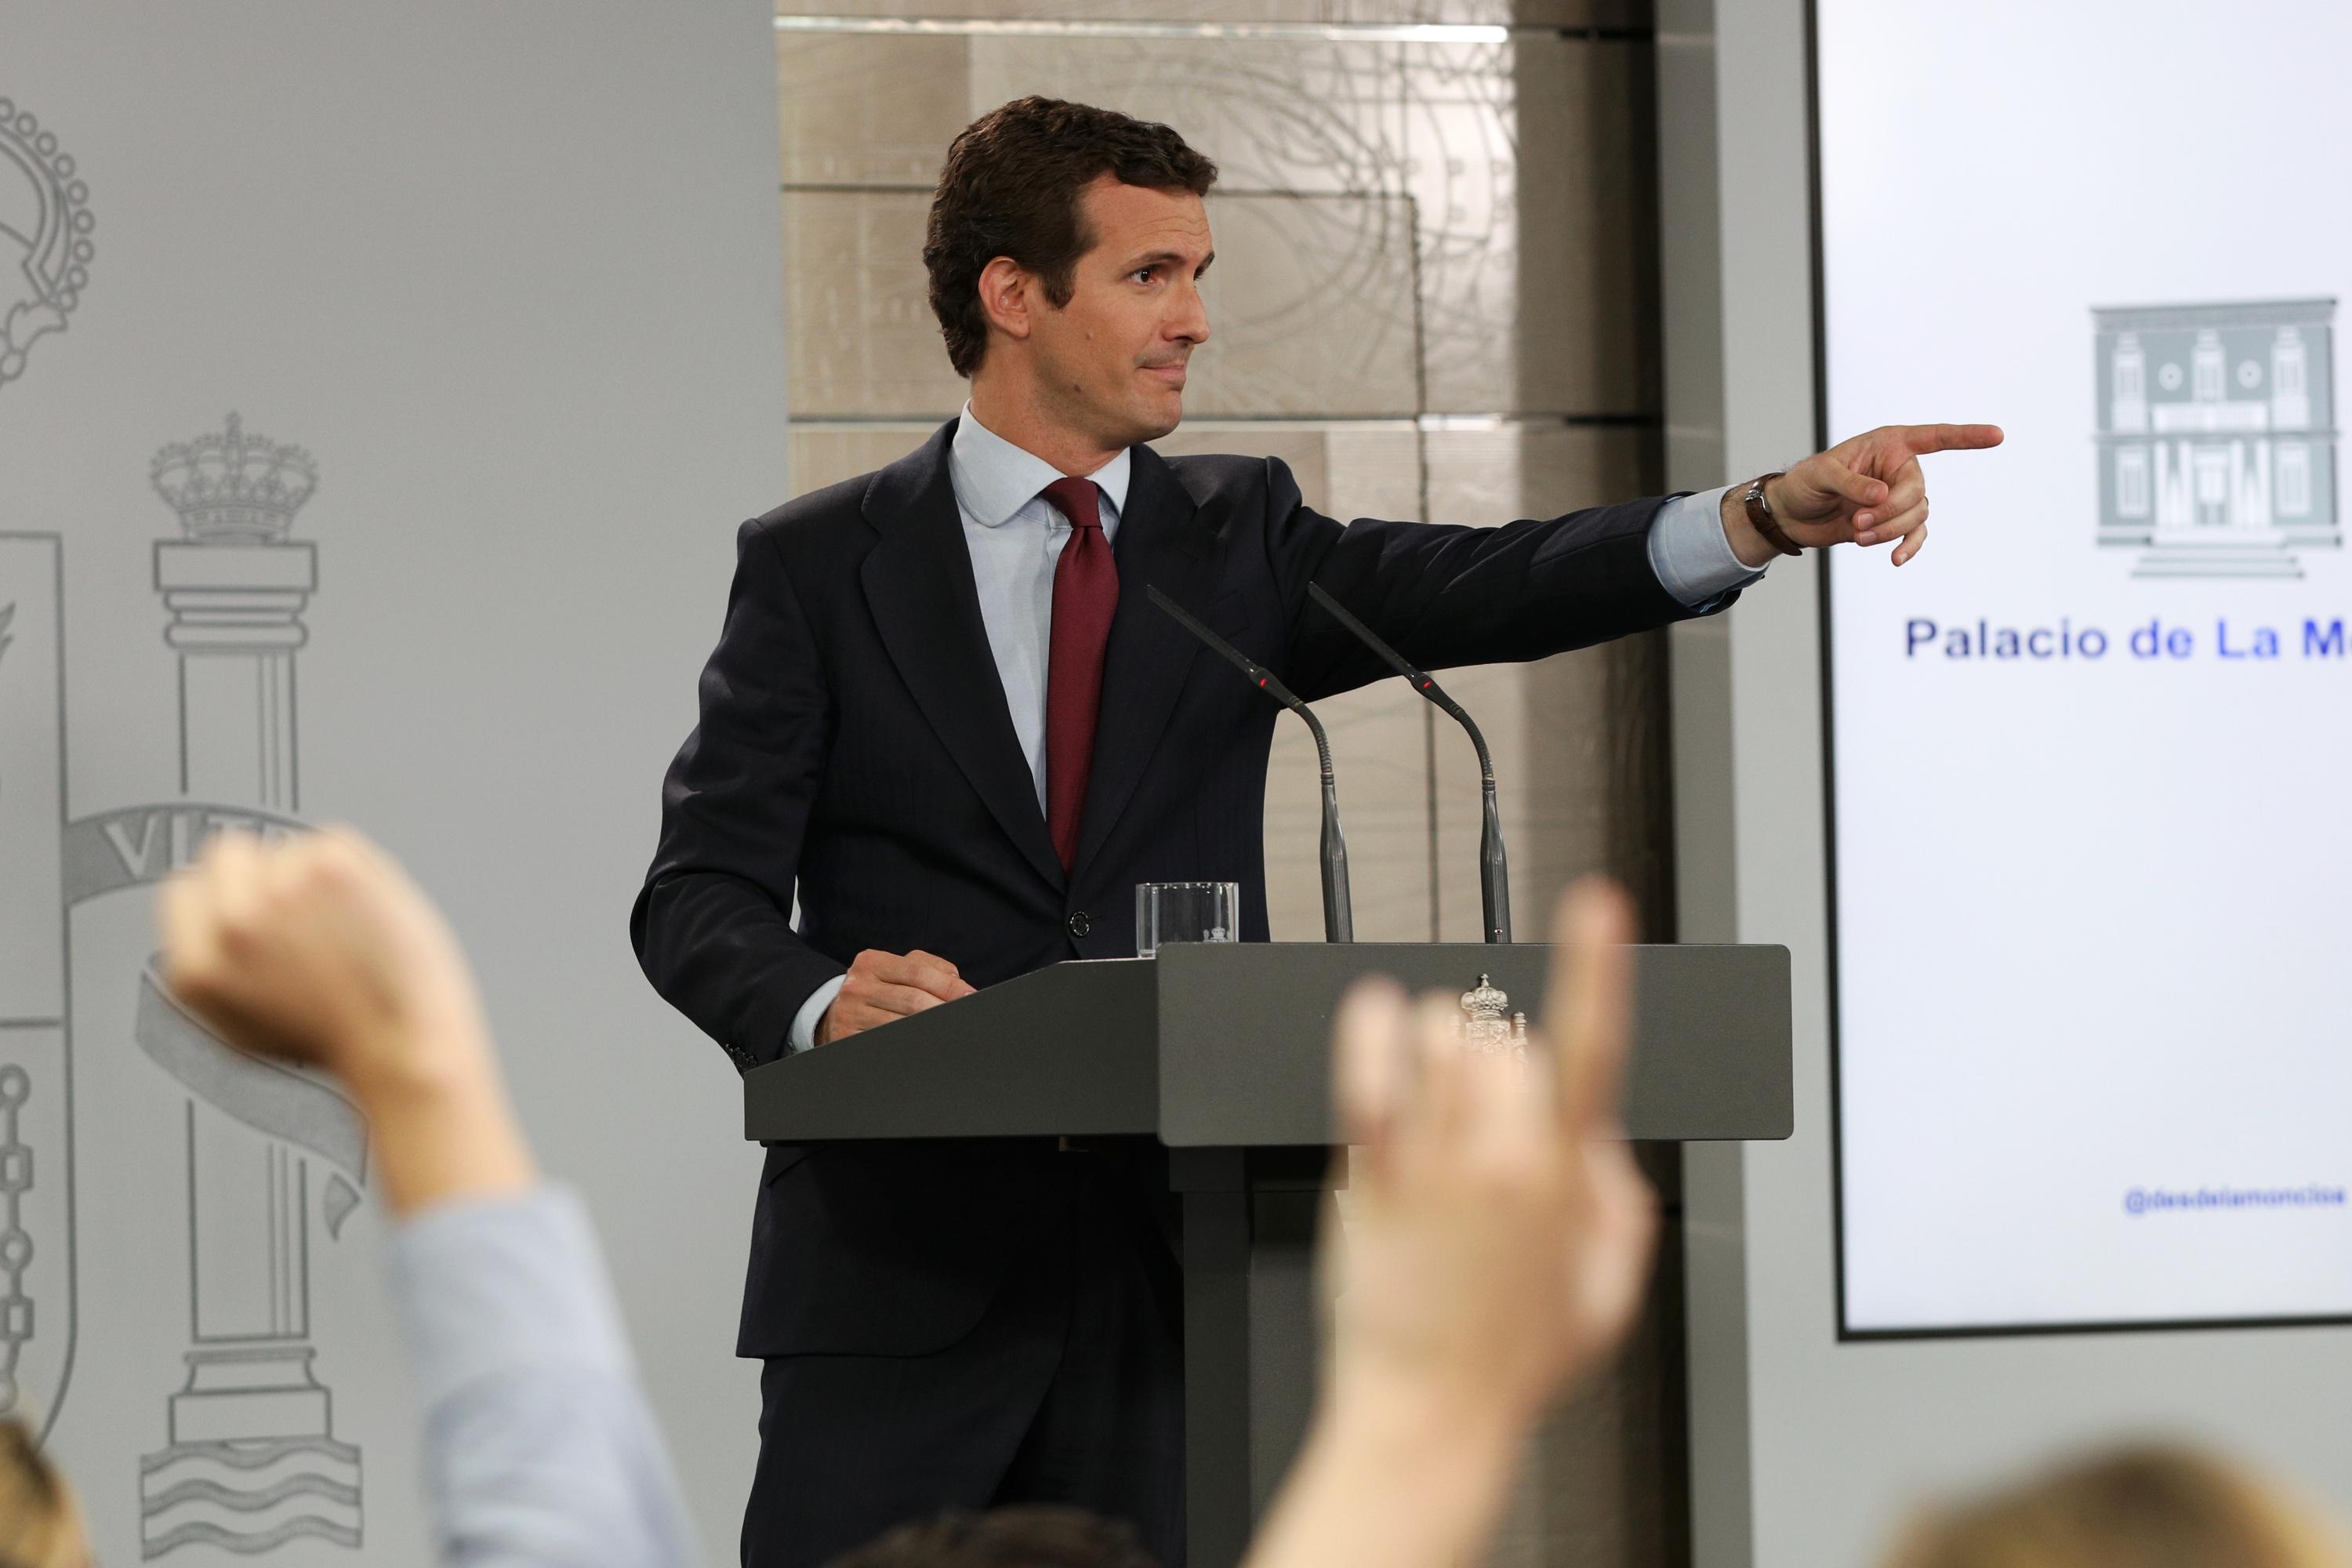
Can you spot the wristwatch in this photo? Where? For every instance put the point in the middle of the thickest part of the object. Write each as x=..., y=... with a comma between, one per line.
x=1759, y=515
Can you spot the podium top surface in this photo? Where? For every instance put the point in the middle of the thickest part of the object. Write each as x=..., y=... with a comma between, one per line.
x=1228, y=1045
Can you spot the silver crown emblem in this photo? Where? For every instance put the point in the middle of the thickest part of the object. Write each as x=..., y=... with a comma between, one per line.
x=1489, y=1026
x=44, y=244
x=233, y=488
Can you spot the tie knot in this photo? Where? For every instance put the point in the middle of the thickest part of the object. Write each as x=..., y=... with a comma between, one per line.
x=1077, y=500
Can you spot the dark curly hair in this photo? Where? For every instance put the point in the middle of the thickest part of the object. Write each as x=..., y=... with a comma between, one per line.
x=1010, y=188
x=1031, y=1536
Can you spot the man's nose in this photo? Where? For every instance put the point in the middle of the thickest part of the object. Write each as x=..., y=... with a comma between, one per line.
x=1191, y=321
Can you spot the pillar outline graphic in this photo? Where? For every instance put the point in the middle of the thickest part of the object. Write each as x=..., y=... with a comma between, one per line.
x=252, y=1412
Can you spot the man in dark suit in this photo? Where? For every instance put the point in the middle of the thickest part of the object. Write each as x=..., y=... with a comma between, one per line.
x=944, y=715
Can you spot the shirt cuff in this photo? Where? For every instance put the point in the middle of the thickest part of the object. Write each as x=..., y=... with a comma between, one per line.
x=487, y=1286
x=1690, y=553
x=805, y=1021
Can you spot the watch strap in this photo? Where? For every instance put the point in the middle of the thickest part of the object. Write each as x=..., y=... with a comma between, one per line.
x=1759, y=516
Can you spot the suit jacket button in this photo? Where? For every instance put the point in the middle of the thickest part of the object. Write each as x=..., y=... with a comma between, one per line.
x=1079, y=924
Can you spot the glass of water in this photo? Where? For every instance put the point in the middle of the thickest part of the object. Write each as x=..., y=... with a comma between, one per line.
x=1185, y=912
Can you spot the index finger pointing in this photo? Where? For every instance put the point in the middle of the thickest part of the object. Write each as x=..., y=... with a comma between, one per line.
x=1590, y=1000
x=1950, y=437
x=1367, y=1063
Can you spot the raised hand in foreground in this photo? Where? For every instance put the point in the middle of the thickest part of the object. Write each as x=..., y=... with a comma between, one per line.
x=320, y=950
x=1498, y=1242
x=538, y=1450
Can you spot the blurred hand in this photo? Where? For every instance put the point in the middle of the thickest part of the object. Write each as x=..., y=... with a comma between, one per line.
x=881, y=986
x=1867, y=489
x=1499, y=1236
x=318, y=949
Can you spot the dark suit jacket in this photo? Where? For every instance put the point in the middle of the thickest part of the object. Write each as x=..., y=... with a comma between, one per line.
x=855, y=744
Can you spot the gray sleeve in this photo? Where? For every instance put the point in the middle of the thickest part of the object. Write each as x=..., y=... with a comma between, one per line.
x=1688, y=552
x=539, y=1448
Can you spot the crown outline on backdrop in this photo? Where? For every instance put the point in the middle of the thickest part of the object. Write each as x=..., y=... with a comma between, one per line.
x=233, y=488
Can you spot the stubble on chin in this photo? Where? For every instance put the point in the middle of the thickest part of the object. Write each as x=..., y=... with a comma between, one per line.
x=1159, y=416
x=1149, y=418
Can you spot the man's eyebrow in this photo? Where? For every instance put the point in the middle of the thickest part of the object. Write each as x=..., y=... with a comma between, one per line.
x=1166, y=257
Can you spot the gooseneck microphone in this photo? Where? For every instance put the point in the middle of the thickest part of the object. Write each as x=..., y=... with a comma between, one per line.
x=1494, y=868
x=1339, y=917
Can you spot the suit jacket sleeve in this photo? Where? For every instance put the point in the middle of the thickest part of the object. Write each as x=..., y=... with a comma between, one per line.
x=712, y=927
x=1444, y=596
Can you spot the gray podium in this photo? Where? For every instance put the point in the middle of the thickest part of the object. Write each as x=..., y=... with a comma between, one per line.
x=1220, y=1052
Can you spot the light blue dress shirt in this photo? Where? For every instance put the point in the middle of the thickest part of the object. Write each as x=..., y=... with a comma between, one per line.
x=1015, y=537
x=539, y=1448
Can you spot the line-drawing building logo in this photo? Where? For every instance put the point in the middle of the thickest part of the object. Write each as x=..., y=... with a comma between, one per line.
x=2216, y=435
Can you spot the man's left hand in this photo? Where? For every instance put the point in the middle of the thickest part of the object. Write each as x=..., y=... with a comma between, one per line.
x=1864, y=490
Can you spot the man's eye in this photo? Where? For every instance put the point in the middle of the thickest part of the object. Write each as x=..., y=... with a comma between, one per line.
x=1146, y=273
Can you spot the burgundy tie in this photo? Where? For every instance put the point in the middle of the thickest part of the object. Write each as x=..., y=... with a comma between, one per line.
x=1085, y=591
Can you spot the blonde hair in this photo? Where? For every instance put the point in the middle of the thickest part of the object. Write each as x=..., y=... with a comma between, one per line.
x=2152, y=1507
x=37, y=1520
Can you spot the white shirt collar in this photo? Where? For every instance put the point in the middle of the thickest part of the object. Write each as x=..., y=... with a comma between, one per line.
x=994, y=478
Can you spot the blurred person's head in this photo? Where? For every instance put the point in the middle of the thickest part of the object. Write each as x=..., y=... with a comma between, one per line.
x=2139, y=1508
x=1025, y=1537
x=39, y=1525
x=1064, y=250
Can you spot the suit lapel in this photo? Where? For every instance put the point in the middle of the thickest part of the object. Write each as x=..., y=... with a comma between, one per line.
x=1159, y=545
x=918, y=584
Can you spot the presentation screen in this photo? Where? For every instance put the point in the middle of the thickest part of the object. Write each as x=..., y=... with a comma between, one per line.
x=2089, y=752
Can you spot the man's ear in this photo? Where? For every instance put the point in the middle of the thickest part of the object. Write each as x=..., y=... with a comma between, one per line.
x=1007, y=294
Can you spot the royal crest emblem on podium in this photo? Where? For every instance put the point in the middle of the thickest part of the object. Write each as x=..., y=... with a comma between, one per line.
x=1489, y=1026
